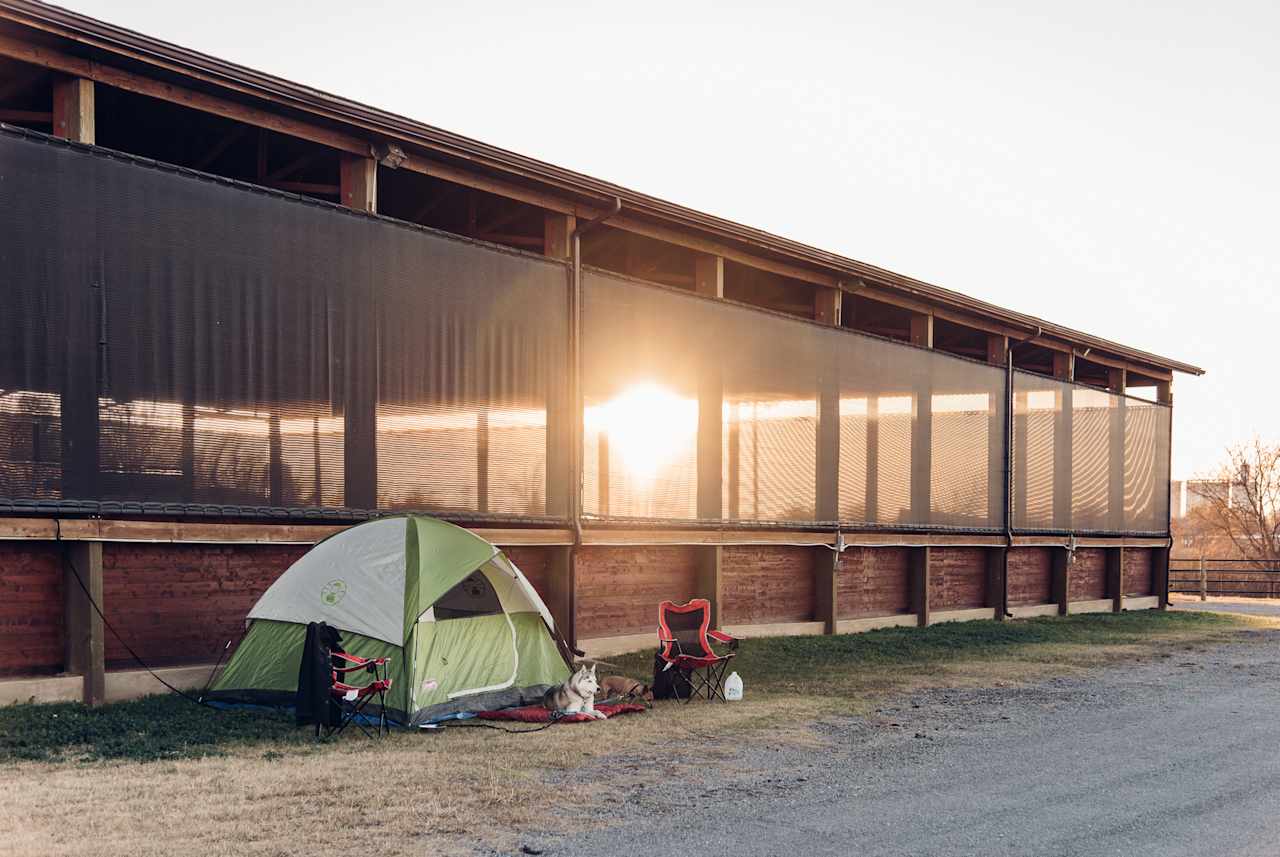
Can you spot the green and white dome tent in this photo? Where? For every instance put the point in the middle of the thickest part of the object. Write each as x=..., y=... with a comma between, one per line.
x=464, y=628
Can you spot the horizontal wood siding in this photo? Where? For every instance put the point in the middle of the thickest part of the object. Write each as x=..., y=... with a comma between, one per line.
x=957, y=578
x=763, y=585
x=1030, y=575
x=1136, y=571
x=1087, y=575
x=31, y=612
x=618, y=589
x=181, y=603
x=872, y=582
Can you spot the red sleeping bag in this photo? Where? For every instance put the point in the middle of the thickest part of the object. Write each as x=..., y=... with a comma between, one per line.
x=538, y=714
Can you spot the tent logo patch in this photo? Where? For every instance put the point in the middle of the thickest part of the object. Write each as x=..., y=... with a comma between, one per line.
x=333, y=592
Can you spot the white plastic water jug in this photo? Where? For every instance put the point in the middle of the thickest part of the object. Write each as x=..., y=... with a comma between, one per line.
x=733, y=687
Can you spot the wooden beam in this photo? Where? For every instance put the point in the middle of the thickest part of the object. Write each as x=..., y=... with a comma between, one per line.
x=559, y=597
x=922, y=330
x=557, y=230
x=313, y=188
x=997, y=597
x=826, y=568
x=1115, y=582
x=919, y=584
x=36, y=116
x=1164, y=392
x=73, y=109
x=708, y=275
x=358, y=178
x=1060, y=584
x=1117, y=380
x=226, y=142
x=827, y=306
x=997, y=348
x=1160, y=575
x=1064, y=366
x=25, y=51
x=710, y=581
x=85, y=640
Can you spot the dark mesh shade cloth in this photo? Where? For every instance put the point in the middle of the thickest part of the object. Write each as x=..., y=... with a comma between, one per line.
x=1088, y=460
x=671, y=378
x=175, y=343
x=170, y=339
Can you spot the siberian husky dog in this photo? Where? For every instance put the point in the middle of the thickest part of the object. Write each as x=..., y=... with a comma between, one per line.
x=576, y=695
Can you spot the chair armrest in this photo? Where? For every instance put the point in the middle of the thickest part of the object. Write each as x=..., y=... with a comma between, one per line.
x=722, y=637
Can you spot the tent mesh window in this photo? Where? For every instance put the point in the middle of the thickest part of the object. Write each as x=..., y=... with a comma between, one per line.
x=472, y=596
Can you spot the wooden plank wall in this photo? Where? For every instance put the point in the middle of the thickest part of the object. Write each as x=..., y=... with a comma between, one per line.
x=1030, y=575
x=1087, y=575
x=872, y=582
x=31, y=611
x=617, y=589
x=1136, y=572
x=762, y=585
x=181, y=603
x=957, y=578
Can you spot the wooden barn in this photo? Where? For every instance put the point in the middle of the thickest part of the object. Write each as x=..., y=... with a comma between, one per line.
x=239, y=313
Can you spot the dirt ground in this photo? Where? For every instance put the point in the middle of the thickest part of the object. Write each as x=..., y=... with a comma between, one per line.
x=1034, y=751
x=1168, y=753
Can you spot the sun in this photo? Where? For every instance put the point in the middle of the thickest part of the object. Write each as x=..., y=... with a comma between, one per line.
x=648, y=426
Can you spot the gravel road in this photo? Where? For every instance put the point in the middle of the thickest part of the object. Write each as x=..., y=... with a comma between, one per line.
x=1176, y=754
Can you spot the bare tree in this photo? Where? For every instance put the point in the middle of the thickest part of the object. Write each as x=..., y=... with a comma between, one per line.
x=1242, y=503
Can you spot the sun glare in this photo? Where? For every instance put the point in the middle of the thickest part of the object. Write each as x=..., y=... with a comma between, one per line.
x=647, y=425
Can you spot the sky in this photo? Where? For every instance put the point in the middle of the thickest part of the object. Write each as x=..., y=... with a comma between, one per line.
x=1110, y=166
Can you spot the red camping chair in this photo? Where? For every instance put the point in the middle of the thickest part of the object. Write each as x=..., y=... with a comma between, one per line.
x=683, y=632
x=351, y=699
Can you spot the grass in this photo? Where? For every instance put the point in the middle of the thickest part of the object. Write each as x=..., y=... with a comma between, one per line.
x=160, y=775
x=168, y=727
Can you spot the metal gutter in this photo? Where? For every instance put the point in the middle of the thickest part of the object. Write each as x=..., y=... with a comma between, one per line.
x=599, y=194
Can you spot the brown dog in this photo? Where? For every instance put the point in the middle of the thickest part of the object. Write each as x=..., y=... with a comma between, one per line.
x=612, y=686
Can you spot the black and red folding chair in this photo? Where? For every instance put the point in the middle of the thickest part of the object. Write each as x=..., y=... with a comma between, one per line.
x=351, y=700
x=685, y=638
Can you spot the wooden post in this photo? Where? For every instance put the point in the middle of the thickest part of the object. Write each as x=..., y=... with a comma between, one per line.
x=358, y=183
x=358, y=190
x=85, y=644
x=557, y=230
x=919, y=571
x=73, y=109
x=1115, y=434
x=1060, y=588
x=997, y=590
x=1204, y=581
x=1164, y=392
x=561, y=584
x=872, y=500
x=827, y=306
x=1115, y=578
x=74, y=119
x=922, y=330
x=997, y=348
x=710, y=579
x=1160, y=575
x=826, y=570
x=922, y=428
x=708, y=275
x=1063, y=370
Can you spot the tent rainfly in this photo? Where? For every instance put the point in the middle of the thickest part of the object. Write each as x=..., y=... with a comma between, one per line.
x=464, y=628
